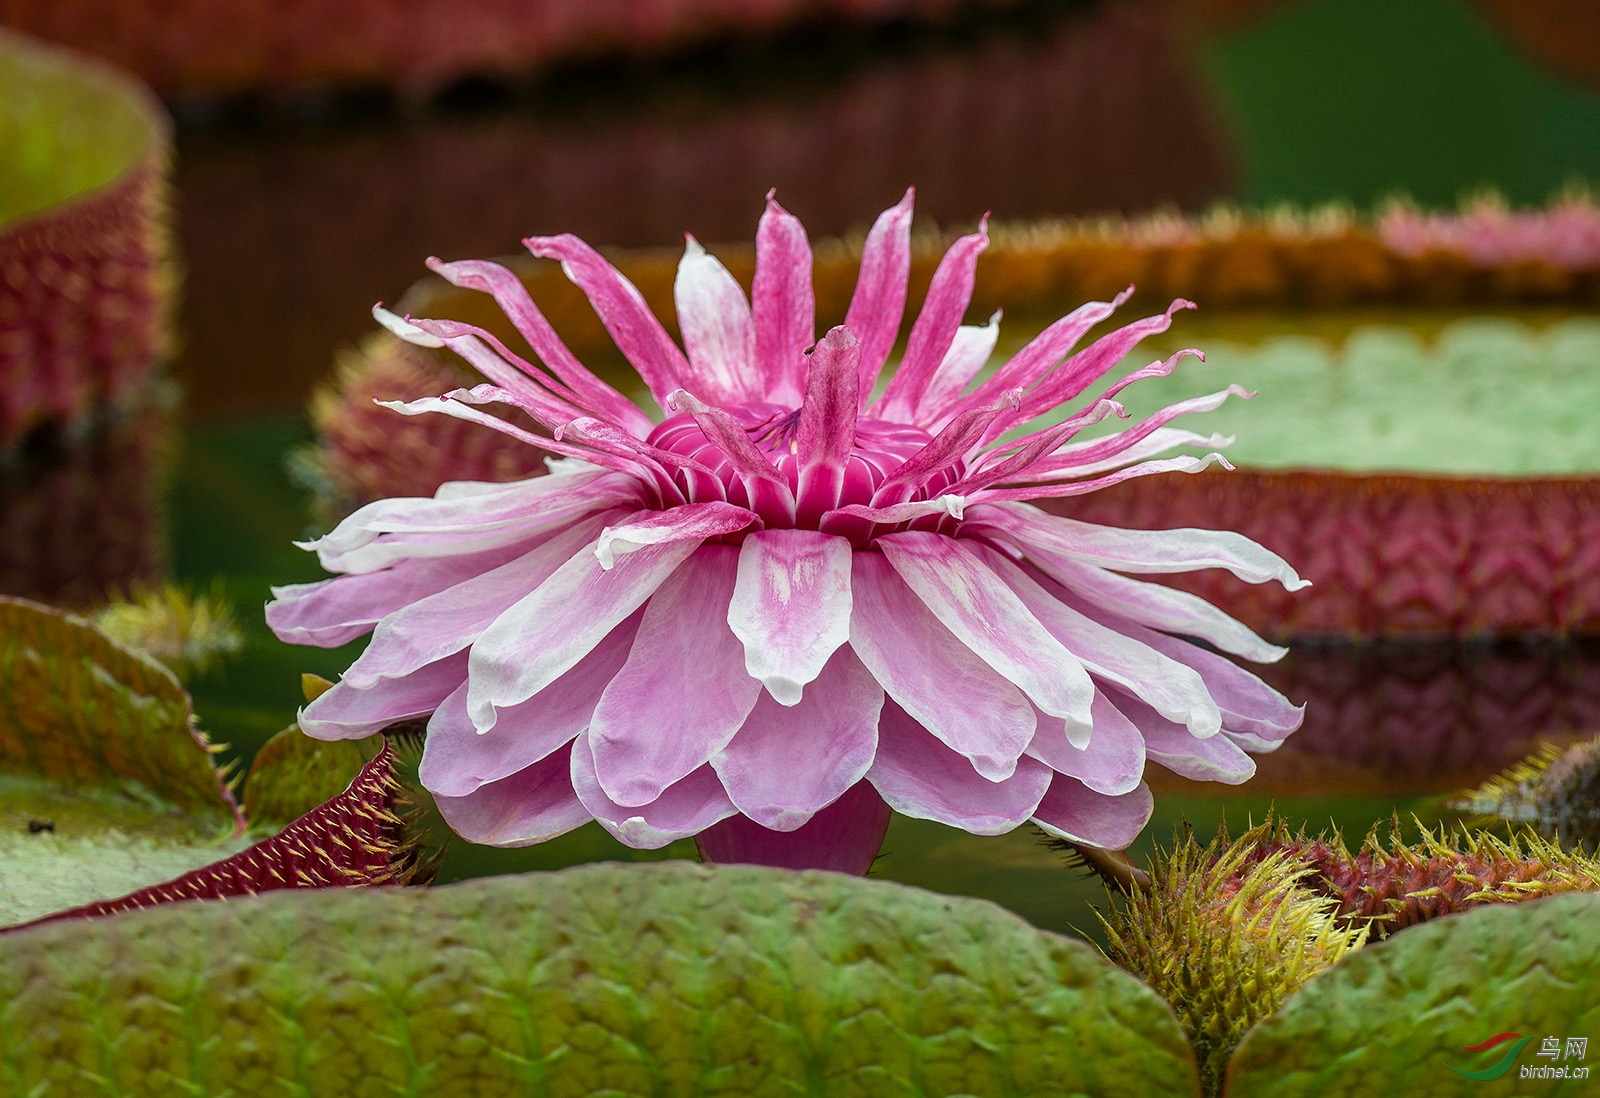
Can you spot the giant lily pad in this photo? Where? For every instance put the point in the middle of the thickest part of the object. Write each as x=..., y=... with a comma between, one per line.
x=105, y=783
x=1411, y=1015
x=109, y=801
x=662, y=980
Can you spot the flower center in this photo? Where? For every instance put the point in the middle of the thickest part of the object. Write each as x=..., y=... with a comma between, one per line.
x=880, y=448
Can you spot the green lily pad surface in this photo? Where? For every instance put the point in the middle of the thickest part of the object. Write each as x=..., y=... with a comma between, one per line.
x=659, y=980
x=68, y=126
x=1487, y=397
x=105, y=784
x=1400, y=1017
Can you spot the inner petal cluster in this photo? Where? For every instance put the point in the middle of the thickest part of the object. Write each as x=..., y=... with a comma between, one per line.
x=881, y=447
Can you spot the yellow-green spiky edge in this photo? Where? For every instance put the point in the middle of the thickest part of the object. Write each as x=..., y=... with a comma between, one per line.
x=189, y=633
x=1555, y=790
x=1391, y=885
x=1225, y=934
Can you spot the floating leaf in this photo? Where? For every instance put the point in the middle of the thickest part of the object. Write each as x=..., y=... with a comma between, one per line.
x=356, y=838
x=1399, y=1017
x=662, y=980
x=109, y=801
x=105, y=783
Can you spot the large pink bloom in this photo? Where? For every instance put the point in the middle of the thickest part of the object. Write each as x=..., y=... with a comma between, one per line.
x=791, y=606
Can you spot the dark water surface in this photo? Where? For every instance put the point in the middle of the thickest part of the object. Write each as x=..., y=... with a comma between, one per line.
x=291, y=226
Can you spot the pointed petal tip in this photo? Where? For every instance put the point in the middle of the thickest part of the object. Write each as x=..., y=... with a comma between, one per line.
x=404, y=329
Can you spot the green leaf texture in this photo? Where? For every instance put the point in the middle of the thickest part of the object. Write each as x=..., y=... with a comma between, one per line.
x=1485, y=397
x=293, y=774
x=105, y=785
x=639, y=980
x=1394, y=1018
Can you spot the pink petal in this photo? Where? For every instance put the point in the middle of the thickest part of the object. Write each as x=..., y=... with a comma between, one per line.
x=461, y=404
x=789, y=762
x=935, y=329
x=548, y=401
x=844, y=837
x=336, y=611
x=955, y=442
x=1081, y=370
x=1012, y=460
x=691, y=522
x=783, y=303
x=1160, y=368
x=545, y=634
x=391, y=530
x=1126, y=550
x=1024, y=369
x=790, y=607
x=971, y=708
x=621, y=308
x=1072, y=811
x=1101, y=449
x=987, y=616
x=690, y=806
x=683, y=691
x=1214, y=759
x=457, y=758
x=954, y=506
x=827, y=431
x=1156, y=605
x=442, y=624
x=718, y=332
x=768, y=492
x=512, y=297
x=879, y=301
x=1248, y=705
x=1175, y=690
x=1113, y=760
x=921, y=777
x=345, y=712
x=969, y=352
x=1069, y=462
x=1062, y=490
x=531, y=806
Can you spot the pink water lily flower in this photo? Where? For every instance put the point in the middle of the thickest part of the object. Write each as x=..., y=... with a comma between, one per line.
x=795, y=603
